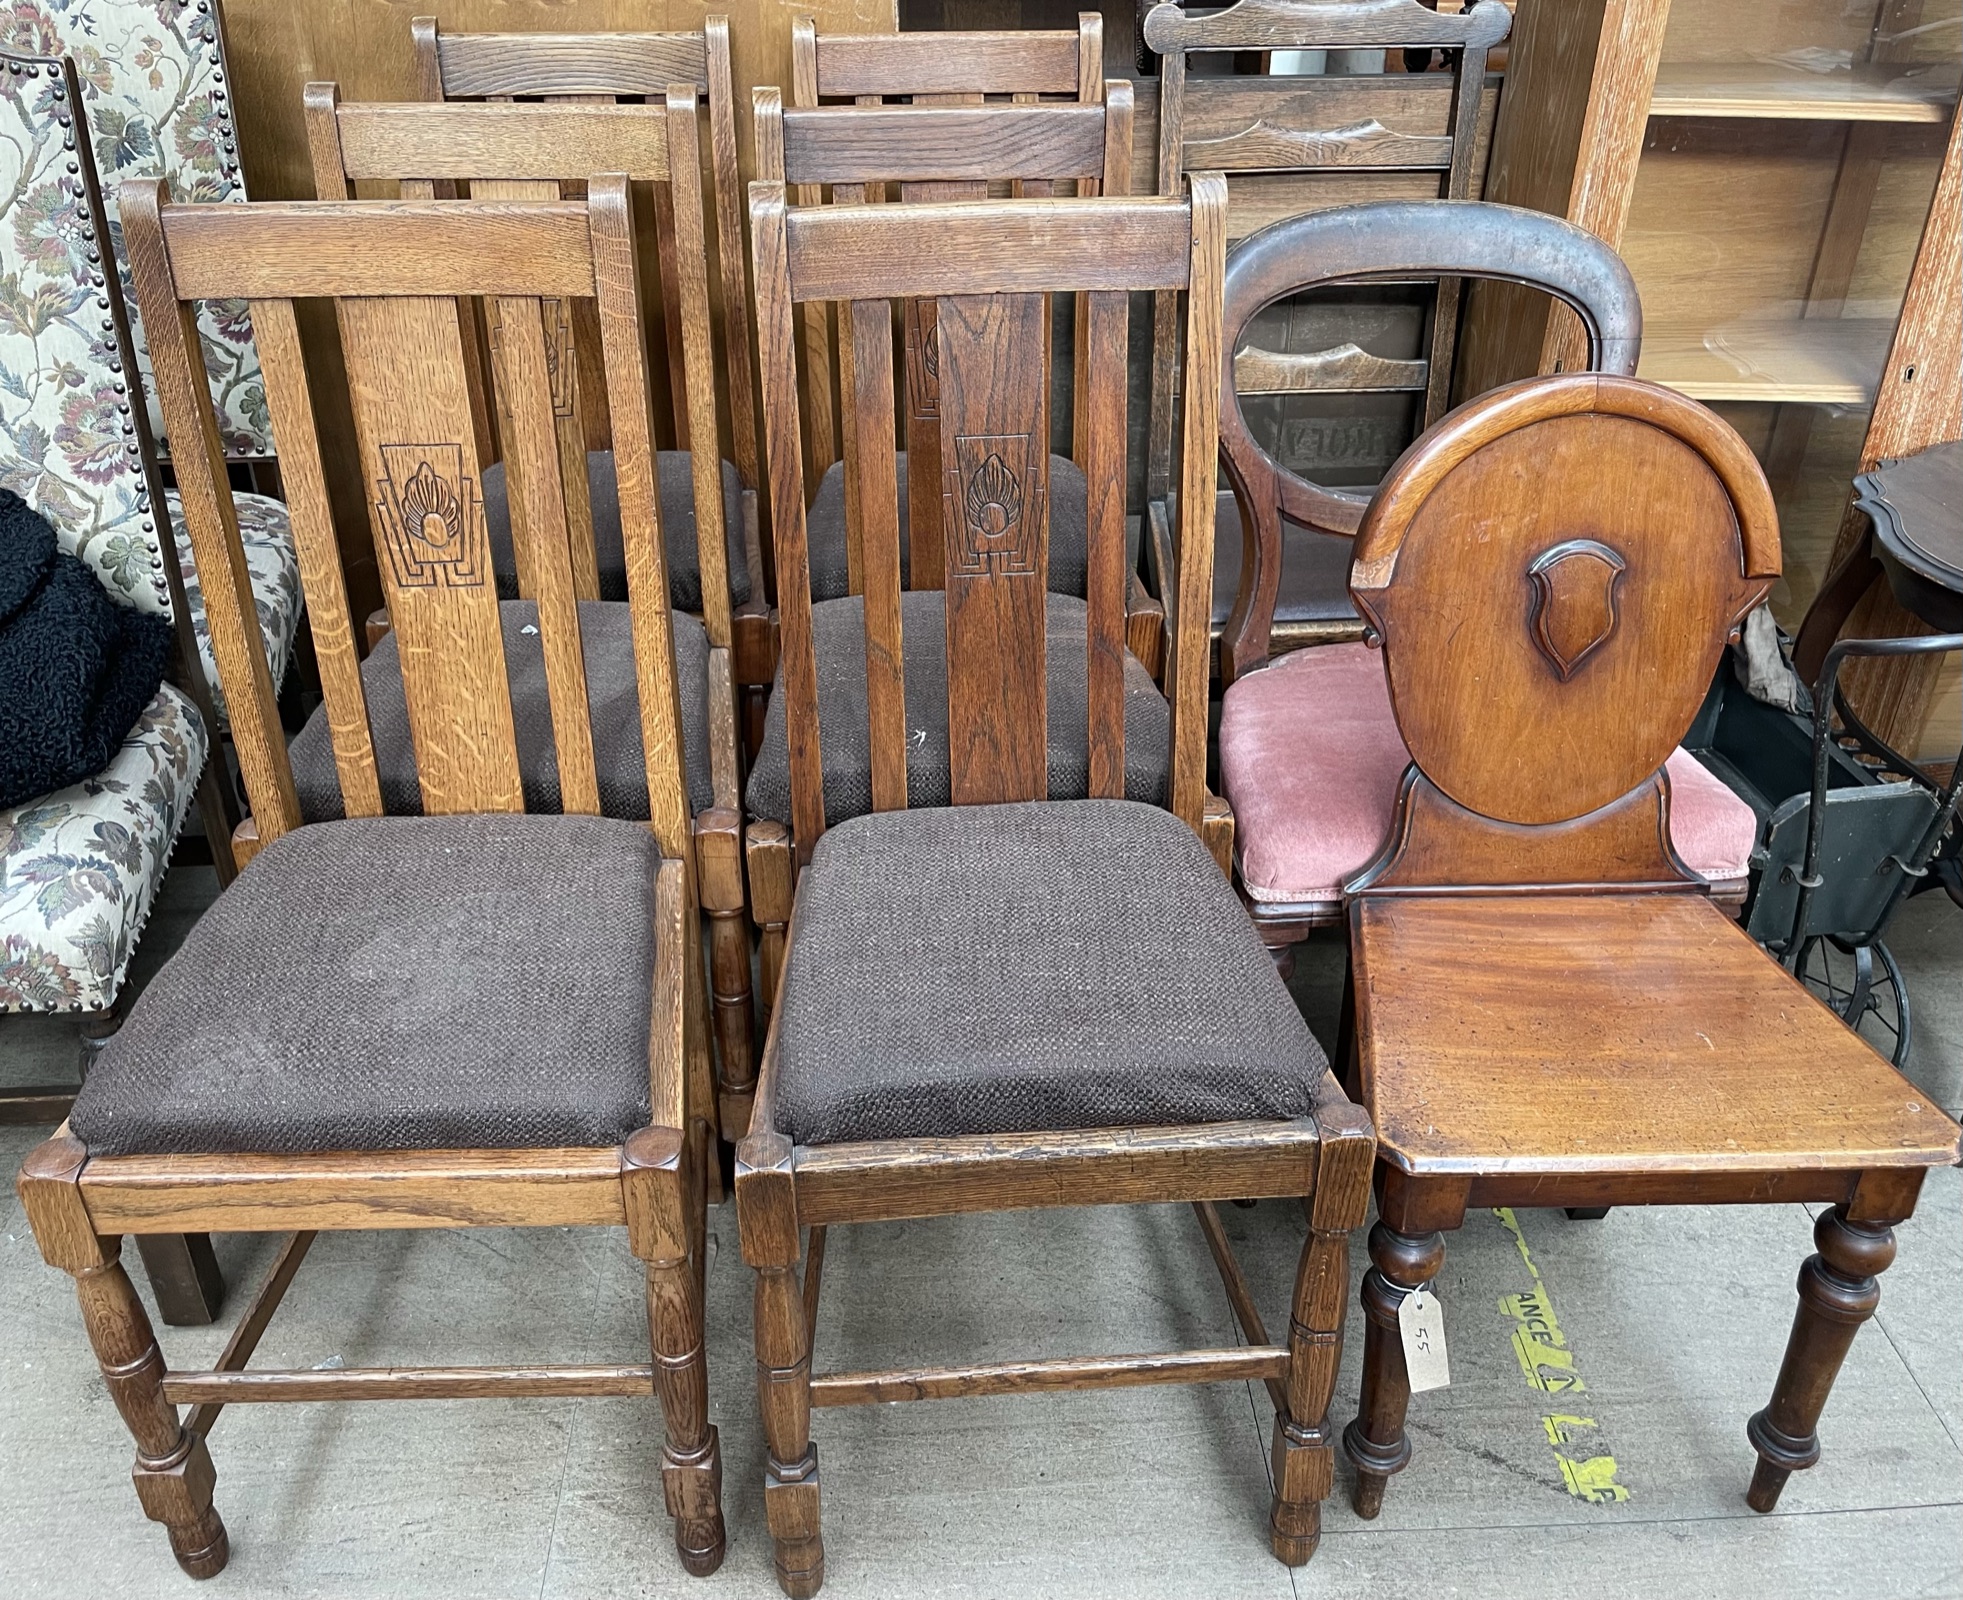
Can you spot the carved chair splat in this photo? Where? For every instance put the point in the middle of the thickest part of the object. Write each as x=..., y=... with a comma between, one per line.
x=1626, y=532
x=532, y=152
x=535, y=1094
x=928, y=1104
x=1290, y=145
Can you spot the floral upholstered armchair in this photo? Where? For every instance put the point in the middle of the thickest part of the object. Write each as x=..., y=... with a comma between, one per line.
x=79, y=868
x=157, y=104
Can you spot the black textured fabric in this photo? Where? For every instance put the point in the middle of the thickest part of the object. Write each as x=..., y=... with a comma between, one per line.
x=824, y=530
x=1028, y=968
x=398, y=983
x=76, y=667
x=606, y=631
x=677, y=487
x=838, y=633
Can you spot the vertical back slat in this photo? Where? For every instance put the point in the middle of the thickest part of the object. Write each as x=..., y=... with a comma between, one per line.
x=1116, y=180
x=925, y=569
x=850, y=194
x=525, y=326
x=1165, y=303
x=875, y=469
x=1090, y=57
x=617, y=281
x=1102, y=357
x=311, y=514
x=406, y=378
x=1186, y=674
x=668, y=273
x=777, y=360
x=821, y=434
x=728, y=187
x=995, y=462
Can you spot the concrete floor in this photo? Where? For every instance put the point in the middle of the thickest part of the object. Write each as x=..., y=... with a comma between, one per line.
x=1675, y=1320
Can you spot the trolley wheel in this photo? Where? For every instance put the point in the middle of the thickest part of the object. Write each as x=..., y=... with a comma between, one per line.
x=1865, y=989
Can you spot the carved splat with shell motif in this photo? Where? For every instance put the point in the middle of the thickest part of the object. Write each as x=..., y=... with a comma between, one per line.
x=431, y=519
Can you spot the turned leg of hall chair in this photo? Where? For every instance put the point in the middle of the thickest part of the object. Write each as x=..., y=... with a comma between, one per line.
x=1304, y=1454
x=1837, y=1293
x=664, y=1206
x=767, y=849
x=766, y=1215
x=173, y=1472
x=1401, y=1263
x=719, y=861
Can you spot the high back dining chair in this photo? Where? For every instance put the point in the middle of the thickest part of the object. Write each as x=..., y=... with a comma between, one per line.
x=1023, y=65
x=1310, y=754
x=529, y=151
x=474, y=1017
x=896, y=1085
x=1550, y=1010
x=1296, y=144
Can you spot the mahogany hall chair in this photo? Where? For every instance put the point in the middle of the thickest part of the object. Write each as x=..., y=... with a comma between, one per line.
x=532, y=148
x=474, y=1017
x=952, y=152
x=612, y=69
x=1550, y=1009
x=1310, y=754
x=1294, y=144
x=961, y=1026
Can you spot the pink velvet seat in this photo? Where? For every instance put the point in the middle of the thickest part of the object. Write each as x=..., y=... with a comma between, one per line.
x=1310, y=759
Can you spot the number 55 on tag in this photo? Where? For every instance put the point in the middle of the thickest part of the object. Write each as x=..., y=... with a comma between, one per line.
x=1421, y=1322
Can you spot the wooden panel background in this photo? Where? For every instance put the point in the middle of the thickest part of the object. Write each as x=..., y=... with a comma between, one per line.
x=276, y=46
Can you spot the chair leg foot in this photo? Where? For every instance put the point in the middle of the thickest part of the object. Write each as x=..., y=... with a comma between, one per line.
x=1375, y=1442
x=1586, y=1213
x=790, y=1501
x=693, y=1485
x=1837, y=1293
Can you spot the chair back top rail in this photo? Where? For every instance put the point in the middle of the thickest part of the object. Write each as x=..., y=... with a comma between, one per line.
x=394, y=271
x=1542, y=672
x=1383, y=241
x=1326, y=24
x=469, y=139
x=915, y=144
x=493, y=65
x=990, y=264
x=1012, y=61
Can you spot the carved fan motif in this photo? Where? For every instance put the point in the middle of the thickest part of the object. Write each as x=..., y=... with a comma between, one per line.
x=994, y=501
x=429, y=519
x=994, y=497
x=1576, y=586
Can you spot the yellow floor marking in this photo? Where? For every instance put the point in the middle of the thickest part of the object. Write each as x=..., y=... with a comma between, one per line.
x=1548, y=1365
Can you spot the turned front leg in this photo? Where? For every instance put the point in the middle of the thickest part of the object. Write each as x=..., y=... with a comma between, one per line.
x=1837, y=1293
x=1401, y=1264
x=719, y=861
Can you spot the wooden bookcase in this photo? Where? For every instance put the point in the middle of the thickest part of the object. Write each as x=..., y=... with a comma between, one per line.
x=1770, y=171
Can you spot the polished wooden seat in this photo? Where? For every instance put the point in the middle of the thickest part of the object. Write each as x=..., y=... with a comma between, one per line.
x=1549, y=1007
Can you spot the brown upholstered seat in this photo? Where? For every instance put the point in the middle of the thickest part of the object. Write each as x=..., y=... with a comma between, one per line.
x=399, y=983
x=839, y=643
x=677, y=529
x=606, y=631
x=949, y=968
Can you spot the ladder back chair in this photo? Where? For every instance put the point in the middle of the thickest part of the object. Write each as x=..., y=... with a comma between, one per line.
x=959, y=149
x=618, y=68
x=1025, y=66
x=1625, y=533
x=1310, y=754
x=893, y=1084
x=533, y=150
x=292, y=1068
x=1298, y=144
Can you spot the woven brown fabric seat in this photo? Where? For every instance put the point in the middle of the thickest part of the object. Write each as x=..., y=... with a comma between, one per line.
x=606, y=631
x=824, y=528
x=839, y=642
x=677, y=529
x=1029, y=968
x=399, y=983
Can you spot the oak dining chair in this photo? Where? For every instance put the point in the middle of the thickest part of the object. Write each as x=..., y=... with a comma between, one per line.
x=1310, y=754
x=960, y=1025
x=1551, y=1010
x=530, y=151
x=480, y=1016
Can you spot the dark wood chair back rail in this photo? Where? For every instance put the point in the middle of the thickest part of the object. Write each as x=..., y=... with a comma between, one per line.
x=1378, y=242
x=990, y=263
x=650, y=67
x=1542, y=672
x=395, y=271
x=1267, y=128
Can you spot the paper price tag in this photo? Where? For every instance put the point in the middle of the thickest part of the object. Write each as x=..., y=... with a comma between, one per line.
x=1421, y=1322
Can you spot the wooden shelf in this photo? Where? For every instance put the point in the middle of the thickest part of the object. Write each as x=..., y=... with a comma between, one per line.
x=1825, y=361
x=1924, y=92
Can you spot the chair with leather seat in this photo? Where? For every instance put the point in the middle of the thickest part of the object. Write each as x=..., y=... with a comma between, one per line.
x=960, y=1026
x=1551, y=1010
x=478, y=1016
x=1310, y=754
